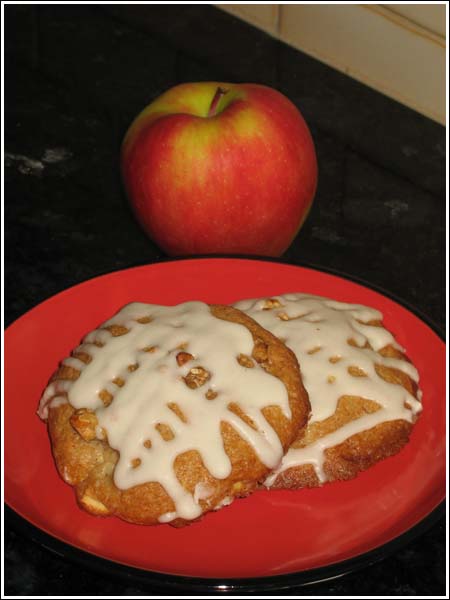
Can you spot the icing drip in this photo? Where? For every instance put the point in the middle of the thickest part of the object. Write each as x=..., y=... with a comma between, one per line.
x=318, y=330
x=142, y=423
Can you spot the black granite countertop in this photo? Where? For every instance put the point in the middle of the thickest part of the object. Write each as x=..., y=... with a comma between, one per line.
x=76, y=75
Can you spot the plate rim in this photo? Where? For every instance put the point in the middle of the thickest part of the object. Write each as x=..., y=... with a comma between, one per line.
x=437, y=328
x=95, y=562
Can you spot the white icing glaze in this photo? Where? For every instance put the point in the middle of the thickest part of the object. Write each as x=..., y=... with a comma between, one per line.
x=224, y=502
x=318, y=330
x=51, y=393
x=202, y=491
x=143, y=401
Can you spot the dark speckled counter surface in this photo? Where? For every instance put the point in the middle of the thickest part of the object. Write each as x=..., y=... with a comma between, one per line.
x=75, y=77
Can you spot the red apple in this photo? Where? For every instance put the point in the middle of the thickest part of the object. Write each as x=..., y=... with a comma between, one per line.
x=220, y=168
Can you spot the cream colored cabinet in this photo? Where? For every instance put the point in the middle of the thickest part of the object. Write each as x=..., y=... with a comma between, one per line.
x=397, y=49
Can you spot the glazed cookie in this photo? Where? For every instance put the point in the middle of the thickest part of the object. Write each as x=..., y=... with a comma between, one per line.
x=363, y=390
x=165, y=413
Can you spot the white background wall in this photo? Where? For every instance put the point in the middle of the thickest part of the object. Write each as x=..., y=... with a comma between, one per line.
x=397, y=49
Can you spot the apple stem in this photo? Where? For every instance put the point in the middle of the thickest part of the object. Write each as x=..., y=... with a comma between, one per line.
x=215, y=101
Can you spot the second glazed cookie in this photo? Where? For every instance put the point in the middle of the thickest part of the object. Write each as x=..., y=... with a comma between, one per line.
x=363, y=390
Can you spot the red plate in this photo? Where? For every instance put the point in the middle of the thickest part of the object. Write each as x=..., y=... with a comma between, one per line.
x=269, y=533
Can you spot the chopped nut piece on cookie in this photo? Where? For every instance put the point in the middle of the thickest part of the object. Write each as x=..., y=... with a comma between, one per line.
x=271, y=303
x=183, y=358
x=106, y=397
x=150, y=349
x=245, y=361
x=197, y=377
x=144, y=320
x=283, y=316
x=84, y=422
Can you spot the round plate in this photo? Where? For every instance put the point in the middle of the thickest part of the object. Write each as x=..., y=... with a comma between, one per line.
x=273, y=538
